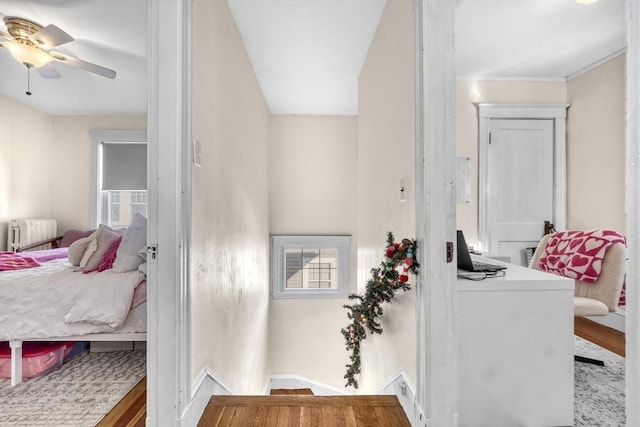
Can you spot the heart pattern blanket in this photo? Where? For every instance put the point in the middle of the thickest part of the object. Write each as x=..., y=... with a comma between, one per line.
x=578, y=254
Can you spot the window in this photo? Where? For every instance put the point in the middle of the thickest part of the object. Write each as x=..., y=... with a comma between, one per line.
x=310, y=266
x=119, y=176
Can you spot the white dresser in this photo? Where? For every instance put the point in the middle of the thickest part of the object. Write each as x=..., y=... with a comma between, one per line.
x=515, y=358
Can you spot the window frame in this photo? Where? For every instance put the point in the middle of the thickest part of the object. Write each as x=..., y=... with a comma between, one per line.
x=98, y=137
x=280, y=243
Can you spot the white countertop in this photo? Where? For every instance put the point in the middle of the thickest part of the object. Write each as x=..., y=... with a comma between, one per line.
x=515, y=278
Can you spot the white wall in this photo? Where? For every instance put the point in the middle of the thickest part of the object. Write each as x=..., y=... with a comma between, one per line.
x=230, y=217
x=470, y=91
x=312, y=190
x=386, y=135
x=26, y=169
x=71, y=160
x=596, y=148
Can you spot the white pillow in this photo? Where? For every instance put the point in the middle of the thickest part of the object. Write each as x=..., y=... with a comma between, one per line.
x=106, y=302
x=77, y=250
x=134, y=239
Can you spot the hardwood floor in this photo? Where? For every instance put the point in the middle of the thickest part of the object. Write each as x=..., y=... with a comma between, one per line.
x=131, y=411
x=301, y=410
x=601, y=335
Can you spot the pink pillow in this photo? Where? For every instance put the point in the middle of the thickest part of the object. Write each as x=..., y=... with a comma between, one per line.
x=110, y=256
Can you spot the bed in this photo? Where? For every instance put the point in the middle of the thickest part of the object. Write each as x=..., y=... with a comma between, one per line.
x=60, y=299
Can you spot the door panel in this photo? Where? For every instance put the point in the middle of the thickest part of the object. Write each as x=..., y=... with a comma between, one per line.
x=520, y=184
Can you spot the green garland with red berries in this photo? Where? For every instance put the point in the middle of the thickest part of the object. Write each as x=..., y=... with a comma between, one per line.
x=385, y=281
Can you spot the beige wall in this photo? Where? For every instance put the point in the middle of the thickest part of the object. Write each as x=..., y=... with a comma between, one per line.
x=312, y=190
x=386, y=155
x=470, y=91
x=596, y=149
x=26, y=146
x=71, y=158
x=230, y=217
x=45, y=164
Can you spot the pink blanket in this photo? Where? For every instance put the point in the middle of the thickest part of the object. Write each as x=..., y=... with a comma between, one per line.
x=578, y=254
x=13, y=261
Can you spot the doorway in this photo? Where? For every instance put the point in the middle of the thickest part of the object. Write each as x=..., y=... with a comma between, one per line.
x=521, y=175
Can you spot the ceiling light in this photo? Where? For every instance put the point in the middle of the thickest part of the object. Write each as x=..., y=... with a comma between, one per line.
x=586, y=1
x=28, y=55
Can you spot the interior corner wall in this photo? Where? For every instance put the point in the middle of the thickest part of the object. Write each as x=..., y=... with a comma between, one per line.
x=312, y=191
x=229, y=283
x=490, y=91
x=26, y=169
x=596, y=148
x=71, y=160
x=386, y=144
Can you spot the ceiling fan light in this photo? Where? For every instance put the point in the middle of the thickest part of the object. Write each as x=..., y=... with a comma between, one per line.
x=27, y=55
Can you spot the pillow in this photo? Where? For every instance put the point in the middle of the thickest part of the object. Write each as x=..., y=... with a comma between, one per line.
x=133, y=240
x=98, y=246
x=110, y=256
x=72, y=235
x=140, y=294
x=106, y=303
x=77, y=250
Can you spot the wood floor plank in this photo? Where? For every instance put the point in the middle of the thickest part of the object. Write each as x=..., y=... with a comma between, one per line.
x=310, y=416
x=349, y=416
x=294, y=416
x=609, y=338
x=272, y=416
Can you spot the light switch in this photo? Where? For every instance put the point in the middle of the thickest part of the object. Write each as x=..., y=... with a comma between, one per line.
x=403, y=190
x=197, y=153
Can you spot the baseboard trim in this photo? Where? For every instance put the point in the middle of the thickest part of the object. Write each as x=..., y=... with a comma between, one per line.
x=205, y=386
x=614, y=320
x=401, y=385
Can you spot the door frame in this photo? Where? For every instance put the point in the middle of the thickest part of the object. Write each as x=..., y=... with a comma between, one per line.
x=436, y=299
x=553, y=111
x=169, y=220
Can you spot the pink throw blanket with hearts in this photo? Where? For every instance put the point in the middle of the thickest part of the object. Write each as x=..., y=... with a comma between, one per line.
x=578, y=254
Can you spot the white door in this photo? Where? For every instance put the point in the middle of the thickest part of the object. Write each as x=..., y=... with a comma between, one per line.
x=520, y=184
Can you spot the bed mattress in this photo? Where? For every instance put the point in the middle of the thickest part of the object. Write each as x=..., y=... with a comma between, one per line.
x=35, y=302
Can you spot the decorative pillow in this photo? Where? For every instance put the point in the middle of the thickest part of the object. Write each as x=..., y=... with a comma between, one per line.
x=77, y=250
x=71, y=236
x=133, y=241
x=99, y=245
x=110, y=256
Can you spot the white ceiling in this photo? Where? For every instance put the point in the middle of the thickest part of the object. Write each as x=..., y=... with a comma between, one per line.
x=111, y=33
x=307, y=54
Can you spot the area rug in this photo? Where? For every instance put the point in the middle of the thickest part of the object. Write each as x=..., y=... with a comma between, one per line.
x=78, y=394
x=599, y=390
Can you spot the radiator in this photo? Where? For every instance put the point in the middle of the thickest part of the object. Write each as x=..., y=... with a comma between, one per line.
x=23, y=232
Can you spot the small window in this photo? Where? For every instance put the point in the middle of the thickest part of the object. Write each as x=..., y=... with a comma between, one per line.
x=310, y=266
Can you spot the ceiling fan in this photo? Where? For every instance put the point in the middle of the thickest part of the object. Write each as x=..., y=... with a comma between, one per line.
x=31, y=44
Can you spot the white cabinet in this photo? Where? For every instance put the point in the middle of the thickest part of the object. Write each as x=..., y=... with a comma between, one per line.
x=515, y=350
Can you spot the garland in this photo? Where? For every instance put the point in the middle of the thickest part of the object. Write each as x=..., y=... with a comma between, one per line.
x=385, y=281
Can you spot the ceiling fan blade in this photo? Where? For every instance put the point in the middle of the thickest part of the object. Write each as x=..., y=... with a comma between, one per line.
x=48, y=71
x=87, y=66
x=5, y=36
x=50, y=36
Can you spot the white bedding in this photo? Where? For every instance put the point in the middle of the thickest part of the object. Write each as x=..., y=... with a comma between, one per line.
x=34, y=302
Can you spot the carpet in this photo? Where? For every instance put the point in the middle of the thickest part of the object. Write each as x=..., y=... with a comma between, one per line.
x=78, y=394
x=599, y=390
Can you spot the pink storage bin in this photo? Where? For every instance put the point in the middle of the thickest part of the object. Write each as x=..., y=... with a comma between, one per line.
x=38, y=358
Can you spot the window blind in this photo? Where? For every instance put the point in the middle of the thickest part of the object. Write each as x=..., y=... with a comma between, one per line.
x=124, y=167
